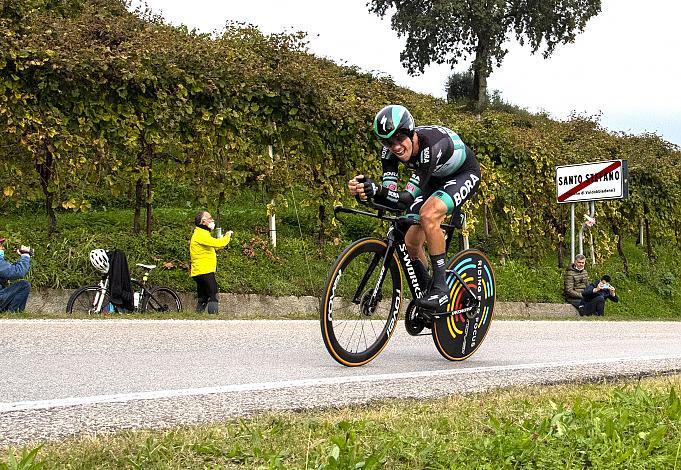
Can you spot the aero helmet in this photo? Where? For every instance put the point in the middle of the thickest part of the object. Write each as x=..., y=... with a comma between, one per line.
x=391, y=121
x=100, y=260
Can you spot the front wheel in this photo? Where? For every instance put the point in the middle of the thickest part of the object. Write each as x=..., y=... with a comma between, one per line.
x=88, y=299
x=457, y=336
x=361, y=302
x=161, y=299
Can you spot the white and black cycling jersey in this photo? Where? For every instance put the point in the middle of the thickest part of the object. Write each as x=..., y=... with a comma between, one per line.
x=442, y=154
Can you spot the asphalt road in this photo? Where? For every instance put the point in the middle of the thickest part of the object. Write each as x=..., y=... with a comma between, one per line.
x=62, y=377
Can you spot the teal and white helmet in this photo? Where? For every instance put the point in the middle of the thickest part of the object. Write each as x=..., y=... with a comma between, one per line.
x=393, y=121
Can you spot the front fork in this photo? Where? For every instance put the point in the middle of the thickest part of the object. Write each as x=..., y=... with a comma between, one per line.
x=370, y=303
x=101, y=294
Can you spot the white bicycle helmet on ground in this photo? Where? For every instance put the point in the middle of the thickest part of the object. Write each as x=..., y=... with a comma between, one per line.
x=100, y=260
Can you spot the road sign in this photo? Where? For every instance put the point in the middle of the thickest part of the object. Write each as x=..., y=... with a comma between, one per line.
x=592, y=181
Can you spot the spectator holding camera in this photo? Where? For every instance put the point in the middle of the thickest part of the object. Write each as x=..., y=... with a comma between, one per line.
x=595, y=295
x=204, y=261
x=13, y=296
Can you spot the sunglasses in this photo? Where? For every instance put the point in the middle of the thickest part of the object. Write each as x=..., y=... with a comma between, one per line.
x=395, y=139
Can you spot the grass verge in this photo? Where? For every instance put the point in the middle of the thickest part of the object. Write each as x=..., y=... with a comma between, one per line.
x=300, y=264
x=624, y=425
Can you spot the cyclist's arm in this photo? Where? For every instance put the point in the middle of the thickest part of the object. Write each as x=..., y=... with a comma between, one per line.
x=399, y=200
x=204, y=238
x=387, y=194
x=390, y=170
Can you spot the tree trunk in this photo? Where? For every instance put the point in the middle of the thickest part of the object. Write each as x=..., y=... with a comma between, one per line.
x=221, y=200
x=139, y=197
x=480, y=73
x=649, y=245
x=139, y=187
x=322, y=224
x=639, y=239
x=149, y=196
x=620, y=250
x=45, y=173
x=488, y=230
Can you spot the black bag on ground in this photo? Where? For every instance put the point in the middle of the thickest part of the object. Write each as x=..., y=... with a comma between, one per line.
x=120, y=288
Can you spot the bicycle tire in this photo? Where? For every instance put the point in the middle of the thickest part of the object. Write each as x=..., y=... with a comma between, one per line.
x=161, y=299
x=352, y=333
x=82, y=300
x=457, y=337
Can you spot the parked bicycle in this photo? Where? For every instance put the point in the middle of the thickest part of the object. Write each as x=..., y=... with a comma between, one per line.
x=363, y=296
x=95, y=299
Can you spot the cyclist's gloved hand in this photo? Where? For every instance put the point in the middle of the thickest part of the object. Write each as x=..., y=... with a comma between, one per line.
x=369, y=187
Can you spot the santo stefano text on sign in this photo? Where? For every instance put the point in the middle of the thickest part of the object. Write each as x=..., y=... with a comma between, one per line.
x=592, y=181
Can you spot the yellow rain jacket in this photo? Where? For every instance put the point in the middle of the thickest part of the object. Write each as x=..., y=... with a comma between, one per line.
x=202, y=251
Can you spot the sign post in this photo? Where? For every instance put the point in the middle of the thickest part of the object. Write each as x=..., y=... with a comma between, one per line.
x=585, y=182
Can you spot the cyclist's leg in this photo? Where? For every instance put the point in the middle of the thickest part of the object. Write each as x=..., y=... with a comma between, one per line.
x=414, y=239
x=448, y=198
x=459, y=188
x=432, y=215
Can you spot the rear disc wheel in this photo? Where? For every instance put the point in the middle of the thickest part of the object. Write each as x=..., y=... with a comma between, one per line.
x=457, y=337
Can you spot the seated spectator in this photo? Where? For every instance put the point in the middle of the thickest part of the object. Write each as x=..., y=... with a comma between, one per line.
x=13, y=296
x=574, y=282
x=595, y=295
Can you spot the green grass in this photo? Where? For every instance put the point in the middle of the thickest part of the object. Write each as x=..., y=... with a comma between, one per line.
x=299, y=265
x=635, y=425
x=650, y=290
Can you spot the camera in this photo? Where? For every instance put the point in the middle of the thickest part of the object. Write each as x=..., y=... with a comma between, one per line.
x=606, y=286
x=28, y=250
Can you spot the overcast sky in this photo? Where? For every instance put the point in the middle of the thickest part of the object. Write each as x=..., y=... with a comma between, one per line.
x=625, y=66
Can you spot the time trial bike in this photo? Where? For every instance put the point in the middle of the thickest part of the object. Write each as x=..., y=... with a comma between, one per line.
x=363, y=295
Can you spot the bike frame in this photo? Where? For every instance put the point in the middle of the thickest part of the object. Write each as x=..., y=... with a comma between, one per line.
x=99, y=298
x=104, y=287
x=395, y=242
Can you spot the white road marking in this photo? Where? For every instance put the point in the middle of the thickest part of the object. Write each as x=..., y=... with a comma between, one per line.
x=287, y=384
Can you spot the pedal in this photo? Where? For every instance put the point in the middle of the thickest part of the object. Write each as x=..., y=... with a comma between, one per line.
x=415, y=322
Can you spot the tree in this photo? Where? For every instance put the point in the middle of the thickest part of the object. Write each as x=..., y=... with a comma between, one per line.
x=459, y=86
x=447, y=31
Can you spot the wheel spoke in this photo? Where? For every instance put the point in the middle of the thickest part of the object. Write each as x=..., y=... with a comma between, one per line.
x=349, y=338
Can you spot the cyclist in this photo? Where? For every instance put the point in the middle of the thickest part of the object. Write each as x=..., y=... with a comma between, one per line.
x=445, y=174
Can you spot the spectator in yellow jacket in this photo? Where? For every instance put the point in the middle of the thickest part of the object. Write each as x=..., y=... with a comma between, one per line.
x=204, y=261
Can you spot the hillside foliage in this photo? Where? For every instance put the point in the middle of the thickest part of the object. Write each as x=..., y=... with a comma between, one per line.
x=95, y=99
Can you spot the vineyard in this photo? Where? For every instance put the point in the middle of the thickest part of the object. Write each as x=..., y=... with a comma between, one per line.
x=99, y=106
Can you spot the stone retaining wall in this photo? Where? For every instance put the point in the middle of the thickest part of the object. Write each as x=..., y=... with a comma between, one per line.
x=246, y=305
